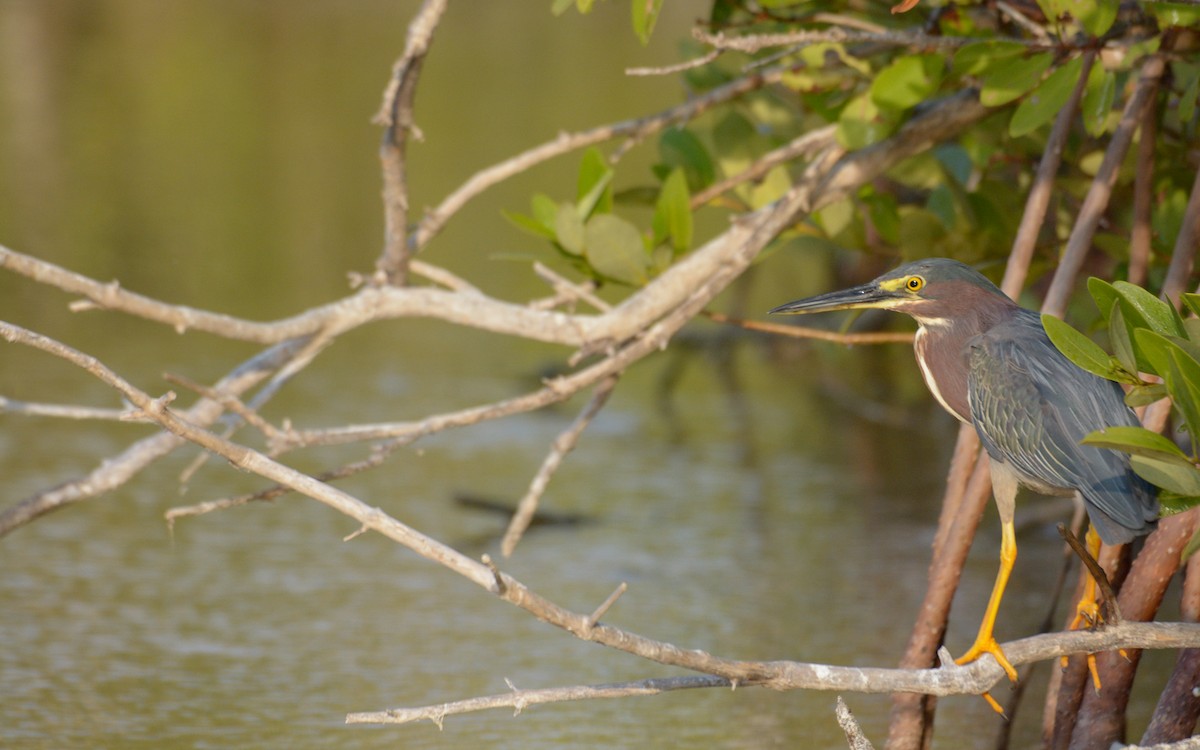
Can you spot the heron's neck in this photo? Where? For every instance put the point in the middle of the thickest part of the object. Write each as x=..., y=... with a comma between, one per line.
x=941, y=348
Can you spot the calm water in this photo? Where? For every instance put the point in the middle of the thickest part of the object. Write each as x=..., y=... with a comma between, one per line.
x=761, y=501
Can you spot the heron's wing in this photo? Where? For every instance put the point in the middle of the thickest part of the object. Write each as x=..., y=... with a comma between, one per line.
x=1032, y=407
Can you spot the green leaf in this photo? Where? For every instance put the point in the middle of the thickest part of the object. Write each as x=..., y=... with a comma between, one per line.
x=558, y=7
x=1175, y=14
x=1078, y=348
x=678, y=147
x=1170, y=474
x=1135, y=440
x=1010, y=78
x=1098, y=99
x=673, y=214
x=973, y=59
x=885, y=216
x=1170, y=504
x=1183, y=382
x=908, y=81
x=545, y=210
x=529, y=224
x=1121, y=338
x=1187, y=100
x=568, y=229
x=1192, y=301
x=1145, y=394
x=771, y=187
x=645, y=16
x=1160, y=316
x=615, y=249
x=593, y=188
x=1050, y=96
x=862, y=122
x=1104, y=295
x=1095, y=16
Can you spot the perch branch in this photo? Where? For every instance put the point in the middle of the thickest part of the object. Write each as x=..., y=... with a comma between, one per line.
x=787, y=675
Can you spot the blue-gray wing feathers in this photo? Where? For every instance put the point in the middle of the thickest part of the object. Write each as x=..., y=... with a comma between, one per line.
x=1031, y=407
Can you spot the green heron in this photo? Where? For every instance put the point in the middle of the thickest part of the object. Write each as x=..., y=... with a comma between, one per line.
x=990, y=364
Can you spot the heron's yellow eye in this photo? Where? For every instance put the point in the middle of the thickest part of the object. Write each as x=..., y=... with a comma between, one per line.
x=914, y=283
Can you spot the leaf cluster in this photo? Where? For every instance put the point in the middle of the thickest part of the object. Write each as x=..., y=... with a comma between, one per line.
x=1156, y=352
x=606, y=247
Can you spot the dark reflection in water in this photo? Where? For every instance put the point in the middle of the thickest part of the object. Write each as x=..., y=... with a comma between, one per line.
x=762, y=499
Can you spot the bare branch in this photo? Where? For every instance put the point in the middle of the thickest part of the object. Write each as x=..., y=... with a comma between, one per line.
x=635, y=129
x=519, y=699
x=803, y=145
x=396, y=115
x=563, y=445
x=117, y=470
x=854, y=733
x=567, y=291
x=784, y=675
x=751, y=43
x=68, y=411
x=682, y=67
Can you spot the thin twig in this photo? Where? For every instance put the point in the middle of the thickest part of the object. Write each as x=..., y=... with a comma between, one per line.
x=68, y=411
x=519, y=699
x=803, y=332
x=227, y=400
x=682, y=67
x=803, y=145
x=116, y=470
x=1020, y=19
x=563, y=445
x=606, y=605
x=752, y=43
x=396, y=116
x=1112, y=613
x=569, y=291
x=636, y=129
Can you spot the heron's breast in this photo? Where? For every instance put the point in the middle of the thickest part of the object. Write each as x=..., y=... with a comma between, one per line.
x=945, y=370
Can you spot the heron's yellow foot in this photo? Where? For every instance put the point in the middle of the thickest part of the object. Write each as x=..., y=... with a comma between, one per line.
x=1087, y=611
x=986, y=644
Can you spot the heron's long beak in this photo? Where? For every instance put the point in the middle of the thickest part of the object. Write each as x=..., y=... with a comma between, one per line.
x=866, y=295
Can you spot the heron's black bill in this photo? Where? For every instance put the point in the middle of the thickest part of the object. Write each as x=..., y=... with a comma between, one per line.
x=864, y=296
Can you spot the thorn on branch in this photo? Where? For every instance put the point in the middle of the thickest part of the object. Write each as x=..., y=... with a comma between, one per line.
x=500, y=587
x=595, y=616
x=356, y=533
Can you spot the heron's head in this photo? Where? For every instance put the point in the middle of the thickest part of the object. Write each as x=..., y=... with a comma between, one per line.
x=935, y=291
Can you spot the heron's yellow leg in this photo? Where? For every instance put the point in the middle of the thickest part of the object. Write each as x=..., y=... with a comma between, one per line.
x=1087, y=611
x=985, y=641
